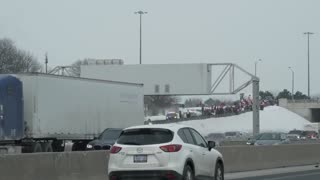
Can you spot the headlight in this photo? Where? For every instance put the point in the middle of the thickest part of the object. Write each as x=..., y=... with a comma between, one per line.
x=89, y=146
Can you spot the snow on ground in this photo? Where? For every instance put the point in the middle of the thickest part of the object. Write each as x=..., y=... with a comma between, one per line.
x=272, y=118
x=155, y=118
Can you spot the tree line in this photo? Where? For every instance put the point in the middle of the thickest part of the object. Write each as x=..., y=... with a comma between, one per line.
x=15, y=60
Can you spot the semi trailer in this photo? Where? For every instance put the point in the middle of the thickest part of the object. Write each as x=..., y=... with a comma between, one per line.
x=41, y=112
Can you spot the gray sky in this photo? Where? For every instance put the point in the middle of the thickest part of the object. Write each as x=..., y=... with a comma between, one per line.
x=179, y=31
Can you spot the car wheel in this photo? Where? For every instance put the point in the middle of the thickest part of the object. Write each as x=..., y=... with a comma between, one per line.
x=46, y=147
x=219, y=172
x=188, y=173
x=36, y=147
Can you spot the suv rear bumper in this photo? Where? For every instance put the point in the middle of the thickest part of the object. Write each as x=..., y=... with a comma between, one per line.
x=145, y=175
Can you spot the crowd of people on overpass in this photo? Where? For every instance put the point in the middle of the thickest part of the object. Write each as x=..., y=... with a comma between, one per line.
x=223, y=109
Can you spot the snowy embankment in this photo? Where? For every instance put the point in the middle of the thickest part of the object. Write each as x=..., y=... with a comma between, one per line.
x=272, y=118
x=155, y=118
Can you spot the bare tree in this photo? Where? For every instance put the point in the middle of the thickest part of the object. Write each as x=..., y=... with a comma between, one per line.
x=157, y=103
x=193, y=102
x=75, y=68
x=14, y=60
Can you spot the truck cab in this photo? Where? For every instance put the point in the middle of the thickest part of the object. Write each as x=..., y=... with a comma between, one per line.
x=11, y=108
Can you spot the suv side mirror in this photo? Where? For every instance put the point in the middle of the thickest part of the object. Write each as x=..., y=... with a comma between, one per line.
x=211, y=145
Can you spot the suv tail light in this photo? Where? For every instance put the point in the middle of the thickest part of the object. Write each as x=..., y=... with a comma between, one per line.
x=171, y=176
x=115, y=149
x=171, y=148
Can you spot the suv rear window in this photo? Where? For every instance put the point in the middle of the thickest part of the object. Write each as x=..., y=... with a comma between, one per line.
x=145, y=136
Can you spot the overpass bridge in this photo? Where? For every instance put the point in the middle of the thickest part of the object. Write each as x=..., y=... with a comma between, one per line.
x=309, y=109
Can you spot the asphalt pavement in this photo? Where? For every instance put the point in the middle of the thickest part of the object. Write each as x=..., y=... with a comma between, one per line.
x=306, y=175
x=311, y=172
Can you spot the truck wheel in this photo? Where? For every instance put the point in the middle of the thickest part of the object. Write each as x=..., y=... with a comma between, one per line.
x=47, y=147
x=58, y=145
x=26, y=149
x=36, y=147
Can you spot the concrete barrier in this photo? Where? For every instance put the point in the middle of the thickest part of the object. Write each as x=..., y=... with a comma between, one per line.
x=93, y=165
x=246, y=158
x=233, y=143
x=55, y=166
x=242, y=143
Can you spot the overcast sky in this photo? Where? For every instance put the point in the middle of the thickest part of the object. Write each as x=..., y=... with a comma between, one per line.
x=174, y=31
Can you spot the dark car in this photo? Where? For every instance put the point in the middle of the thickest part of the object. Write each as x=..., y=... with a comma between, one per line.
x=172, y=115
x=309, y=135
x=106, y=139
x=295, y=134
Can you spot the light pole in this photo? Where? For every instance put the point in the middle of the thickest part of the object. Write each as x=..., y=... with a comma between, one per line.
x=46, y=62
x=140, y=13
x=292, y=88
x=308, y=35
x=255, y=67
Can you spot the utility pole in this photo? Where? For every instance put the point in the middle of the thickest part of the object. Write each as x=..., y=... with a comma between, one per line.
x=46, y=62
x=292, y=85
x=255, y=107
x=255, y=66
x=308, y=35
x=140, y=13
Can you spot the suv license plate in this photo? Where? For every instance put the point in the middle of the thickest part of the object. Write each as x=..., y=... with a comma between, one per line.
x=140, y=158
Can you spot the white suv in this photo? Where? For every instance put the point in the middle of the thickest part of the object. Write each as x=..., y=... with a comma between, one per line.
x=164, y=152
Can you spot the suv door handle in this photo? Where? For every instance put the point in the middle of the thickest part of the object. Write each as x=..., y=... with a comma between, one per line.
x=191, y=150
x=203, y=153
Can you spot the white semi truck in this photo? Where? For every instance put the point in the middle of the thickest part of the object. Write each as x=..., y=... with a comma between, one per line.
x=41, y=112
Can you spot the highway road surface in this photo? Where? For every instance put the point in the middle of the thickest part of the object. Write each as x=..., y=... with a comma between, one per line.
x=294, y=173
x=305, y=175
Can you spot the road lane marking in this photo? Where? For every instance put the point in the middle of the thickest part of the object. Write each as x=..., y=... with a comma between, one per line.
x=269, y=172
x=292, y=176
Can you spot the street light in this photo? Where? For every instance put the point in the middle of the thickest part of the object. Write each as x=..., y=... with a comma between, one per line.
x=255, y=67
x=308, y=35
x=140, y=13
x=292, y=90
x=46, y=62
